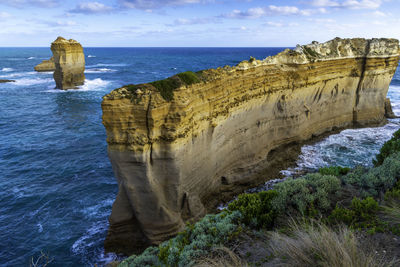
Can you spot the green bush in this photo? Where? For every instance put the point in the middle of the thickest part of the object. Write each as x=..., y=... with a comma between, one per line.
x=167, y=86
x=195, y=241
x=305, y=194
x=393, y=193
x=376, y=180
x=390, y=147
x=334, y=170
x=256, y=208
x=362, y=214
x=189, y=77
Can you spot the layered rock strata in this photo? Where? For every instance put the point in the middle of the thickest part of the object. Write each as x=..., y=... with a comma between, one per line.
x=46, y=65
x=69, y=61
x=175, y=143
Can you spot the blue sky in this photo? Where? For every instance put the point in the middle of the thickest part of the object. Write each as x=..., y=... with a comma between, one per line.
x=198, y=23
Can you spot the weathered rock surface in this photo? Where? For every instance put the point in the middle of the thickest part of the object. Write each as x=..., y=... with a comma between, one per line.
x=7, y=81
x=218, y=130
x=46, y=65
x=388, y=109
x=69, y=61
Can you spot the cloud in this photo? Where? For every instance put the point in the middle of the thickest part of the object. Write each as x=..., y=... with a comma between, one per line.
x=34, y=3
x=152, y=4
x=193, y=21
x=5, y=15
x=91, y=8
x=348, y=4
x=272, y=10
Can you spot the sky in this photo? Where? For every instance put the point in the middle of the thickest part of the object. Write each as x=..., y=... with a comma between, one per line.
x=194, y=23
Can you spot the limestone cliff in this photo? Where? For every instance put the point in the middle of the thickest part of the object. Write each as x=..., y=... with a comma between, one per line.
x=174, y=143
x=46, y=65
x=69, y=61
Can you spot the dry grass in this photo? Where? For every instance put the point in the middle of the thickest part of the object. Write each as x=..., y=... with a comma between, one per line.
x=222, y=257
x=315, y=244
x=391, y=211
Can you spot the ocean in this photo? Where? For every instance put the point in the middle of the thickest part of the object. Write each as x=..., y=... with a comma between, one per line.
x=56, y=182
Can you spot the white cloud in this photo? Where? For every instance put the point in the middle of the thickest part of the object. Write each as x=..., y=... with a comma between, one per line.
x=349, y=4
x=5, y=15
x=194, y=21
x=35, y=3
x=152, y=4
x=91, y=8
x=272, y=10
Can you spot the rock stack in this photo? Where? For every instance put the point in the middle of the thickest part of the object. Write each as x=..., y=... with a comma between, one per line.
x=69, y=61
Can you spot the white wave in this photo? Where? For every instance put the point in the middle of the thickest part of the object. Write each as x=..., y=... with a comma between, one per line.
x=101, y=70
x=90, y=85
x=7, y=69
x=18, y=74
x=91, y=56
x=31, y=57
x=28, y=82
x=107, y=65
x=350, y=148
x=40, y=226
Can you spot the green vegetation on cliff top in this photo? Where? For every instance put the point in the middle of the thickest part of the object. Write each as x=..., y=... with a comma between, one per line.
x=363, y=199
x=167, y=86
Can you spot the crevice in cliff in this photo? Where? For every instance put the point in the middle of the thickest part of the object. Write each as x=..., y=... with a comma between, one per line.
x=148, y=129
x=360, y=82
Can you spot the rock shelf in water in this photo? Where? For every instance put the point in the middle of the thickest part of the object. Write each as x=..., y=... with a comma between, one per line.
x=46, y=65
x=177, y=143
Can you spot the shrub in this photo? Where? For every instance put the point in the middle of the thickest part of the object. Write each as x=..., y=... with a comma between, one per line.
x=334, y=170
x=390, y=147
x=376, y=180
x=305, y=194
x=256, y=208
x=167, y=86
x=362, y=214
x=194, y=242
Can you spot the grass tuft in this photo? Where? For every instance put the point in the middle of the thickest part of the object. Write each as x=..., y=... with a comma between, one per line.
x=315, y=244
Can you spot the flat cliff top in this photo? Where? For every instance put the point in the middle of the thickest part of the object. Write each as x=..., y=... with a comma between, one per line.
x=62, y=40
x=303, y=54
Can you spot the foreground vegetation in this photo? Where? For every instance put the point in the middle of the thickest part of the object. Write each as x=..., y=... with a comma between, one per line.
x=334, y=206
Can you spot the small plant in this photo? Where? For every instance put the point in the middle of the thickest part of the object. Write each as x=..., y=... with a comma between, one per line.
x=193, y=243
x=309, y=193
x=376, y=180
x=390, y=147
x=362, y=214
x=334, y=170
x=256, y=208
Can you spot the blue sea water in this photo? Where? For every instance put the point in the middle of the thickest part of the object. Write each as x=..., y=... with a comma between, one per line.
x=56, y=182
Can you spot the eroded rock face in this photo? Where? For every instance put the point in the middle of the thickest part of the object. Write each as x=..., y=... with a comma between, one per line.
x=217, y=133
x=46, y=65
x=69, y=61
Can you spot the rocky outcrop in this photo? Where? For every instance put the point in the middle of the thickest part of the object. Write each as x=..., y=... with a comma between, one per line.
x=388, y=109
x=176, y=143
x=46, y=65
x=69, y=61
x=7, y=81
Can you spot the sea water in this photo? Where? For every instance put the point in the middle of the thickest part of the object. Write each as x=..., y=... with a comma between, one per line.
x=56, y=182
